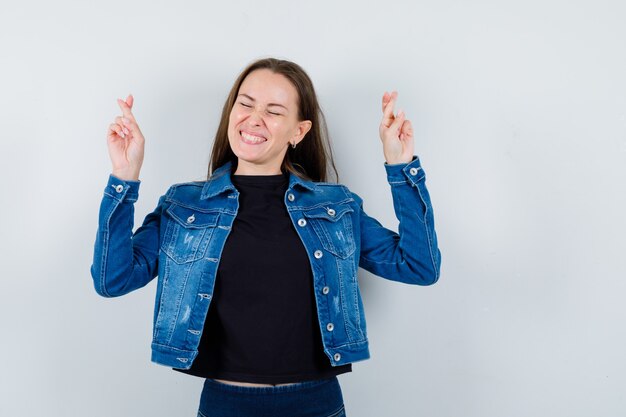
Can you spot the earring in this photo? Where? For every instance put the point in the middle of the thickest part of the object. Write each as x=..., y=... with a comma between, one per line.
x=293, y=145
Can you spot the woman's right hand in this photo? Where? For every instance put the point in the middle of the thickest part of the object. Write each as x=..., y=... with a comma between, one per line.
x=125, y=143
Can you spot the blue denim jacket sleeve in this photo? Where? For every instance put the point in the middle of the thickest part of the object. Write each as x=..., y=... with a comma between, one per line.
x=411, y=255
x=124, y=261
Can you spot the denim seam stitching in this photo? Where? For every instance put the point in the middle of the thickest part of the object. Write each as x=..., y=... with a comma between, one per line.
x=169, y=347
x=350, y=344
x=322, y=204
x=343, y=300
x=350, y=232
x=115, y=197
x=187, y=206
x=339, y=412
x=357, y=323
x=105, y=249
x=165, y=280
x=430, y=241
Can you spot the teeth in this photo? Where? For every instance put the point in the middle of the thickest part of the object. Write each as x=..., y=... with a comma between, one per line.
x=251, y=138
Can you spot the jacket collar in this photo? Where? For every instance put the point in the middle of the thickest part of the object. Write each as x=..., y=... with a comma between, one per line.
x=220, y=182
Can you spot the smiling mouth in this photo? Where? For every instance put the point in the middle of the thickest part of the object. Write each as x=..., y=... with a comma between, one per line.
x=251, y=139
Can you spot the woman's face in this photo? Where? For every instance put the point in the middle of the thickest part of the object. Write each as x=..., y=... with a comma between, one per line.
x=263, y=122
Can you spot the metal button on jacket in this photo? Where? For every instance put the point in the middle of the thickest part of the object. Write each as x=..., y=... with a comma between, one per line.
x=413, y=171
x=290, y=197
x=331, y=212
x=330, y=327
x=318, y=254
x=337, y=356
x=325, y=290
x=191, y=218
x=302, y=222
x=119, y=188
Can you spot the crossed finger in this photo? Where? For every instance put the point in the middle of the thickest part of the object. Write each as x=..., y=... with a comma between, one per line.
x=126, y=107
x=406, y=131
x=123, y=123
x=387, y=97
x=389, y=101
x=114, y=127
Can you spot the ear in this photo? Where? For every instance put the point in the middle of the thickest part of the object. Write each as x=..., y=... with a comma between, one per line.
x=303, y=128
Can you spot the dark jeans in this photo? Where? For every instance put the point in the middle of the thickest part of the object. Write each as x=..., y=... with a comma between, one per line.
x=319, y=398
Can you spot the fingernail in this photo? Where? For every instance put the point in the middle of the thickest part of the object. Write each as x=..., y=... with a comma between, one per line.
x=126, y=131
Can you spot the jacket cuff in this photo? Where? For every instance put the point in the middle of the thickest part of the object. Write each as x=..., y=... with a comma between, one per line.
x=402, y=173
x=122, y=190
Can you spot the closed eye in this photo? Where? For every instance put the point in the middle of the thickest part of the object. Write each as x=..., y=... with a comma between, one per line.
x=250, y=106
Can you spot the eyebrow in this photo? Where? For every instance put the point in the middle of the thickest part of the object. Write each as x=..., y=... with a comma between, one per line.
x=269, y=104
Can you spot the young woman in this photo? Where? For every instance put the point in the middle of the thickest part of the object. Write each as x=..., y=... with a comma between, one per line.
x=257, y=266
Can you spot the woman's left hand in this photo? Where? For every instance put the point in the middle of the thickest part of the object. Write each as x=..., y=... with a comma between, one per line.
x=396, y=132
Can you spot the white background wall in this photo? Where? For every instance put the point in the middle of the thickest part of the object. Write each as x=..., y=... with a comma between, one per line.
x=520, y=117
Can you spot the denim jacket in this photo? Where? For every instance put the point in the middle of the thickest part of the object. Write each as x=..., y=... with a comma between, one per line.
x=182, y=239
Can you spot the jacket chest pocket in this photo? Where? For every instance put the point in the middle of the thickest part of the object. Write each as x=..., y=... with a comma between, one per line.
x=188, y=233
x=332, y=224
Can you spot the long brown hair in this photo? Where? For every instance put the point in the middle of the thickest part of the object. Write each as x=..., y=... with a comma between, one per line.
x=311, y=158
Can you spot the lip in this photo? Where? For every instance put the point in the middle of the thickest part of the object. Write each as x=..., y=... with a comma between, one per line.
x=252, y=134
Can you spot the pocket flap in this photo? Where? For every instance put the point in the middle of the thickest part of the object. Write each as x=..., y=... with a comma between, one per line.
x=190, y=218
x=331, y=212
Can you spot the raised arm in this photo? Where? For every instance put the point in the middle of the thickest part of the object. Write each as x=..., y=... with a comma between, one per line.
x=411, y=255
x=124, y=261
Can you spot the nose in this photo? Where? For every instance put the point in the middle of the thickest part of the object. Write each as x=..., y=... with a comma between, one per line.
x=255, y=116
